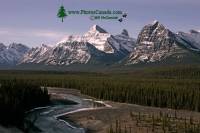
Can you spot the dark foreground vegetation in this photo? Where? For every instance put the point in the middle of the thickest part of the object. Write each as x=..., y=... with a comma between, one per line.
x=155, y=123
x=17, y=97
x=170, y=87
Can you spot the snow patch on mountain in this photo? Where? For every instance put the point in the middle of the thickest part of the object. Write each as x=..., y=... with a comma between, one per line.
x=10, y=55
x=97, y=43
x=154, y=43
x=192, y=38
x=95, y=36
x=35, y=54
x=62, y=54
x=103, y=40
x=127, y=43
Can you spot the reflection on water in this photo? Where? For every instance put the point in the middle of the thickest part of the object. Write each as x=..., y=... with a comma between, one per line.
x=48, y=120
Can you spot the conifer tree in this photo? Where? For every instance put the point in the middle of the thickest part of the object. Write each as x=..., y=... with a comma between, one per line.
x=62, y=13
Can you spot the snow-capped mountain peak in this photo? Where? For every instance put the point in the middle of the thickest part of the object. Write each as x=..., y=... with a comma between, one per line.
x=103, y=41
x=96, y=28
x=96, y=36
x=155, y=22
x=18, y=47
x=96, y=44
x=155, y=26
x=11, y=54
x=194, y=31
x=100, y=39
x=155, y=42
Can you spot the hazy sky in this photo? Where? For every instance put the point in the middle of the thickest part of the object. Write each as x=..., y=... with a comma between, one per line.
x=34, y=22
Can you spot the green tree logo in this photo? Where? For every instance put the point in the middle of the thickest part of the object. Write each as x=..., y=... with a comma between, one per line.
x=62, y=13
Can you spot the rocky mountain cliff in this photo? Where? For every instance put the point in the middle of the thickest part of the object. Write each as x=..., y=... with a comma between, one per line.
x=11, y=55
x=156, y=43
x=95, y=46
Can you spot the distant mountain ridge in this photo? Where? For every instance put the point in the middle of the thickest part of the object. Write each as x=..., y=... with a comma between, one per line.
x=193, y=38
x=96, y=46
x=12, y=54
x=155, y=43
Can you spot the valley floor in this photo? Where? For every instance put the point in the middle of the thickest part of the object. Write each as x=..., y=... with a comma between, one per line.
x=130, y=118
x=115, y=117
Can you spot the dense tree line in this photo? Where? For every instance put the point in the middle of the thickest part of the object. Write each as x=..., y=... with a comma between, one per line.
x=173, y=87
x=17, y=97
x=171, y=94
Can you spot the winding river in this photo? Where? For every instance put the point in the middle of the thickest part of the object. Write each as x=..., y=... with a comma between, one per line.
x=48, y=119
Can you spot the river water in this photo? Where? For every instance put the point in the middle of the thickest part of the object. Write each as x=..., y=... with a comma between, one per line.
x=47, y=119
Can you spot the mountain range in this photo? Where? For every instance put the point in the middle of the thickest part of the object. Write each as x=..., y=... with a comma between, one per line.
x=154, y=44
x=12, y=54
